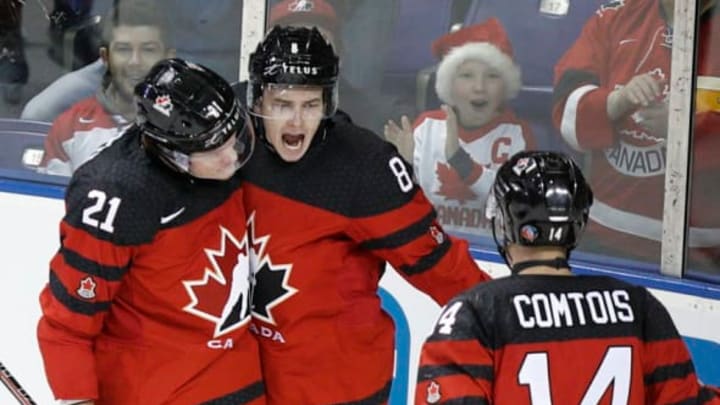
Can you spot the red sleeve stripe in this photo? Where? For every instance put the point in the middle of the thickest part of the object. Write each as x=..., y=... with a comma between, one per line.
x=678, y=391
x=459, y=390
x=91, y=267
x=74, y=304
x=429, y=261
x=670, y=372
x=709, y=396
x=403, y=236
x=477, y=372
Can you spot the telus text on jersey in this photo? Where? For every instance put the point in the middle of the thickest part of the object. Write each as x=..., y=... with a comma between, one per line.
x=559, y=310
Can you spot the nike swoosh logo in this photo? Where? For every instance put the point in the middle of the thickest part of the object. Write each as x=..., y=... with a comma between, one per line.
x=626, y=41
x=164, y=220
x=84, y=120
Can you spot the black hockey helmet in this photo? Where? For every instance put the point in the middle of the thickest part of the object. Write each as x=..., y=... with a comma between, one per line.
x=539, y=199
x=295, y=56
x=183, y=108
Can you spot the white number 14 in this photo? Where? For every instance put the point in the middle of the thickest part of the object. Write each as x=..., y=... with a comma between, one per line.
x=614, y=370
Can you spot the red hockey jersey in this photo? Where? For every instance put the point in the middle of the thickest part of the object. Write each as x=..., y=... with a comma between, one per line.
x=460, y=198
x=148, y=300
x=322, y=230
x=622, y=40
x=546, y=339
x=77, y=134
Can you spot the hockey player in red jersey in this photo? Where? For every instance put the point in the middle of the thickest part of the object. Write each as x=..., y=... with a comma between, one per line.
x=148, y=300
x=543, y=335
x=611, y=101
x=329, y=204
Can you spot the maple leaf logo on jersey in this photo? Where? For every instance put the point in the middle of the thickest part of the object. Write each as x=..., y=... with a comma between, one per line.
x=272, y=279
x=613, y=5
x=224, y=293
x=433, y=393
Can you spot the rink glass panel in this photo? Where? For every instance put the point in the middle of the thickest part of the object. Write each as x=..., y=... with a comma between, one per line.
x=386, y=58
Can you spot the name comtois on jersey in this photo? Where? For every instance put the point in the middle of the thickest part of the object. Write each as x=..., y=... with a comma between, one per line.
x=560, y=310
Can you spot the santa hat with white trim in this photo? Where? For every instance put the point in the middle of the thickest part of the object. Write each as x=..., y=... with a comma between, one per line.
x=487, y=42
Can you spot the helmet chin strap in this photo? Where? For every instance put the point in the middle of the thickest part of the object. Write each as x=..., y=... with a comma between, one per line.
x=558, y=263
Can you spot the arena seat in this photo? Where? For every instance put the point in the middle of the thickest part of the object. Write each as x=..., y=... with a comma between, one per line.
x=539, y=39
x=21, y=149
x=417, y=24
x=21, y=143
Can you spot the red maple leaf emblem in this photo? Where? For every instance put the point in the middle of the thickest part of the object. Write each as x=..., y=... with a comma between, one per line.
x=222, y=295
x=452, y=187
x=162, y=100
x=87, y=288
x=87, y=284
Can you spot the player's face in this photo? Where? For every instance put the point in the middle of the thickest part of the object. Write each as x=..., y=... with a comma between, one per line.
x=291, y=117
x=217, y=164
x=130, y=55
x=479, y=92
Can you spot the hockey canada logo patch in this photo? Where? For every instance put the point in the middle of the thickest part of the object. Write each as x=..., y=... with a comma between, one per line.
x=437, y=234
x=529, y=233
x=87, y=288
x=304, y=6
x=163, y=104
x=524, y=166
x=223, y=295
x=433, y=393
x=272, y=279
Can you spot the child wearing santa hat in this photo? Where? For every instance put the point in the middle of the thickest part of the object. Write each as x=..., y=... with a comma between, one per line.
x=456, y=149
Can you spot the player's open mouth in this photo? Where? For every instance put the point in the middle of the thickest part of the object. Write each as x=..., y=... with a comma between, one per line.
x=293, y=142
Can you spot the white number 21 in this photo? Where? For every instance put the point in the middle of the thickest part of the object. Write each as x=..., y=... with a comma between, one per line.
x=614, y=370
x=92, y=215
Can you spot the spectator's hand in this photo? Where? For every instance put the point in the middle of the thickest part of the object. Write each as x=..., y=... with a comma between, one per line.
x=401, y=136
x=641, y=91
x=653, y=119
x=452, y=144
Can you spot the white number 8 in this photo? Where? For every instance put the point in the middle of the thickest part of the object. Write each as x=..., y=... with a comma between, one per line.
x=400, y=171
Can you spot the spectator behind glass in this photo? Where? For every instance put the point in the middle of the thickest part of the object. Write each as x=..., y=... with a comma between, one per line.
x=543, y=335
x=200, y=30
x=611, y=101
x=365, y=108
x=135, y=38
x=455, y=150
